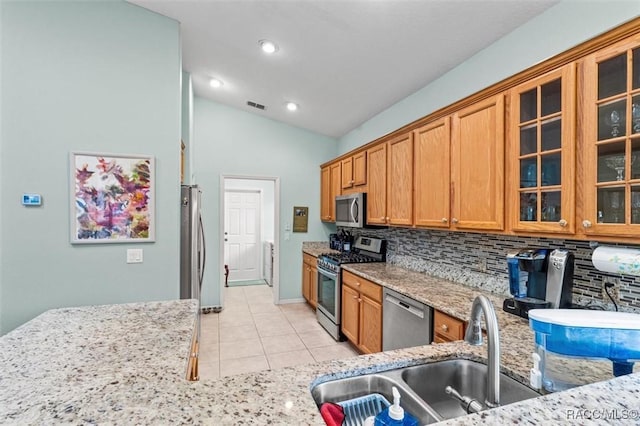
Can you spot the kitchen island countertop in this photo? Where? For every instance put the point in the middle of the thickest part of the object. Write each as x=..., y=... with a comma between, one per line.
x=126, y=364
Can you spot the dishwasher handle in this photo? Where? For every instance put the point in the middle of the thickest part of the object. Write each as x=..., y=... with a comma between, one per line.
x=417, y=311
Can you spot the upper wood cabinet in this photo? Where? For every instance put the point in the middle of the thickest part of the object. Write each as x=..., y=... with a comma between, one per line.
x=354, y=171
x=330, y=187
x=325, y=194
x=377, y=181
x=477, y=166
x=541, y=180
x=612, y=140
x=400, y=180
x=390, y=177
x=431, y=183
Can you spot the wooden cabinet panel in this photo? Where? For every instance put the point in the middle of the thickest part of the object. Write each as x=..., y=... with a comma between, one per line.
x=432, y=174
x=364, y=286
x=360, y=169
x=611, y=138
x=400, y=181
x=377, y=181
x=330, y=178
x=350, y=313
x=362, y=300
x=541, y=170
x=447, y=328
x=325, y=194
x=370, y=325
x=336, y=188
x=310, y=279
x=478, y=166
x=347, y=173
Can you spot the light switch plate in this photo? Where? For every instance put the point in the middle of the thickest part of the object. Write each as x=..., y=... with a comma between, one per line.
x=134, y=255
x=31, y=200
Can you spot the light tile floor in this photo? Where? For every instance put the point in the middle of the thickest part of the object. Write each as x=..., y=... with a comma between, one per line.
x=252, y=334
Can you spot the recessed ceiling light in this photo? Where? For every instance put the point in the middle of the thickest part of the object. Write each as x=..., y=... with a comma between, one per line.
x=215, y=83
x=291, y=106
x=268, y=46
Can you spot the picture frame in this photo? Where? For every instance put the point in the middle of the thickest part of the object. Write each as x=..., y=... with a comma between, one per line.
x=112, y=198
x=300, y=218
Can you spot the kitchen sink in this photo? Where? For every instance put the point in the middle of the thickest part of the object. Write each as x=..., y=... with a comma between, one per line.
x=382, y=383
x=422, y=388
x=469, y=378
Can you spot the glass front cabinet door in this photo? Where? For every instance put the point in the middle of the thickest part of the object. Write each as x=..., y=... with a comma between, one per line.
x=542, y=155
x=612, y=140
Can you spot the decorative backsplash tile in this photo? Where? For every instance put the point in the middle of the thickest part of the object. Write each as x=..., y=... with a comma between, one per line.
x=478, y=260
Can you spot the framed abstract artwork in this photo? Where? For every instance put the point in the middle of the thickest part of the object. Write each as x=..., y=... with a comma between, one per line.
x=112, y=198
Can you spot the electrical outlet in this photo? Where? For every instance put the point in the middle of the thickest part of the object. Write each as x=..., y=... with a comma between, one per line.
x=613, y=291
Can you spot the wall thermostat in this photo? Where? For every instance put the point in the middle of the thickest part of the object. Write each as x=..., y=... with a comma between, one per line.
x=31, y=199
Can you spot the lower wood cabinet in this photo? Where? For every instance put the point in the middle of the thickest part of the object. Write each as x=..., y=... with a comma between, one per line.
x=362, y=312
x=447, y=328
x=310, y=279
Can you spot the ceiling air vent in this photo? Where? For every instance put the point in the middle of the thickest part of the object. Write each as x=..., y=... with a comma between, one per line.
x=256, y=105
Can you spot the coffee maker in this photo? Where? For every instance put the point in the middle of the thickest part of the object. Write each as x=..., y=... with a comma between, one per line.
x=539, y=279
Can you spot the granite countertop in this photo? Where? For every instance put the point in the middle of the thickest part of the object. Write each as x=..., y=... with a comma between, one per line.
x=126, y=364
x=316, y=248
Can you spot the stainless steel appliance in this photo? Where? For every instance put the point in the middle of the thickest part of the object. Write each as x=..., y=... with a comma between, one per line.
x=192, y=244
x=406, y=322
x=539, y=280
x=350, y=210
x=365, y=249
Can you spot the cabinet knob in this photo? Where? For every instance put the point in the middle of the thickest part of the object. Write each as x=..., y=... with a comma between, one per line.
x=386, y=219
x=444, y=220
x=355, y=297
x=382, y=219
x=454, y=220
x=357, y=283
x=586, y=223
x=562, y=223
x=351, y=181
x=445, y=327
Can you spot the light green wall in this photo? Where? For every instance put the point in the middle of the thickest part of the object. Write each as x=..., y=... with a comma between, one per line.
x=91, y=76
x=559, y=28
x=233, y=142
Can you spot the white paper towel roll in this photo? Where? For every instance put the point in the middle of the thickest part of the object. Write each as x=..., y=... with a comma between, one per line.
x=617, y=260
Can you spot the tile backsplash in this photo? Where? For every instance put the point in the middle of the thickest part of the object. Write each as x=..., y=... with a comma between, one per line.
x=478, y=260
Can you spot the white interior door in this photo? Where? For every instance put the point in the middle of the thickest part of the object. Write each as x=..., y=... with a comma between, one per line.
x=242, y=235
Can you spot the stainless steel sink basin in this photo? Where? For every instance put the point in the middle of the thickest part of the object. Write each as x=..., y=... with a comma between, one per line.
x=353, y=387
x=467, y=377
x=422, y=388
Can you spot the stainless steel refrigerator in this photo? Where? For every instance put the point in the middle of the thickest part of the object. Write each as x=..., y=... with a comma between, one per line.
x=192, y=244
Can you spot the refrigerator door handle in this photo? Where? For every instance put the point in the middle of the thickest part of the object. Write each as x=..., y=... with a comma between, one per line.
x=204, y=251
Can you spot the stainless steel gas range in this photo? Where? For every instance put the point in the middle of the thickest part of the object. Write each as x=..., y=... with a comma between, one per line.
x=365, y=250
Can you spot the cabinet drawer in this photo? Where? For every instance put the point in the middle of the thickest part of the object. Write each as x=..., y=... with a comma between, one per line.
x=366, y=287
x=307, y=258
x=447, y=327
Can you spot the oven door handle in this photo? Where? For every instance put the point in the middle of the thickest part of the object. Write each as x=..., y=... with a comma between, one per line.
x=328, y=274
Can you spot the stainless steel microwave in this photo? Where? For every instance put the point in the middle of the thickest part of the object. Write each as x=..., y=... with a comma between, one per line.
x=350, y=210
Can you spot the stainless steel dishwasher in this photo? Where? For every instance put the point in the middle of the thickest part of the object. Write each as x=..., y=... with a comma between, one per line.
x=405, y=322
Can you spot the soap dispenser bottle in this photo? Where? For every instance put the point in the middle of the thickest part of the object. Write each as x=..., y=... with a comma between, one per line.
x=395, y=415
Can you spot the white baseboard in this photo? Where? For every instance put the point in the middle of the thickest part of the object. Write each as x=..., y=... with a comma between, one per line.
x=288, y=301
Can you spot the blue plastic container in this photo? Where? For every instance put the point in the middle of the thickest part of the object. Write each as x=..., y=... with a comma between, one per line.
x=579, y=333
